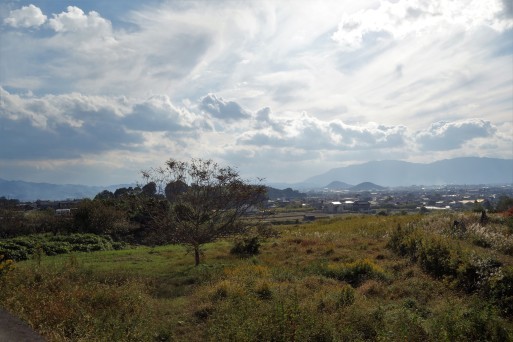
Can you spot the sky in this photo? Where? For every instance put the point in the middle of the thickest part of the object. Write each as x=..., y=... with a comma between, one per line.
x=92, y=92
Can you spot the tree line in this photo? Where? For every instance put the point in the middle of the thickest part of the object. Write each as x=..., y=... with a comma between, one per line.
x=182, y=202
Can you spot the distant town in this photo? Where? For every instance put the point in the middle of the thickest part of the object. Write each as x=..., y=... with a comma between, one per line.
x=406, y=199
x=369, y=199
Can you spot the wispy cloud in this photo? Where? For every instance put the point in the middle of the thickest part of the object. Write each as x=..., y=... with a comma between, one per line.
x=314, y=85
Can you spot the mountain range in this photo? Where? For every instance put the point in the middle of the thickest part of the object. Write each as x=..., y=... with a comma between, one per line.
x=389, y=173
x=29, y=191
x=393, y=173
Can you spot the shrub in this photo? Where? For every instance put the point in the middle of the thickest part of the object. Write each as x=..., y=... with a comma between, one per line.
x=263, y=290
x=469, y=272
x=500, y=289
x=434, y=257
x=21, y=248
x=478, y=322
x=354, y=273
x=404, y=241
x=14, y=251
x=56, y=247
x=346, y=296
x=6, y=265
x=246, y=246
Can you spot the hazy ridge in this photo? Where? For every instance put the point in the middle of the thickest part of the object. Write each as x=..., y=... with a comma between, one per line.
x=392, y=173
x=388, y=173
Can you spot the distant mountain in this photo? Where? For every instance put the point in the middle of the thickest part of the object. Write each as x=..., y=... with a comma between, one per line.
x=468, y=170
x=337, y=185
x=28, y=191
x=367, y=186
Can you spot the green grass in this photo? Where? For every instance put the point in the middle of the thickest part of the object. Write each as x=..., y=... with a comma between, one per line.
x=329, y=280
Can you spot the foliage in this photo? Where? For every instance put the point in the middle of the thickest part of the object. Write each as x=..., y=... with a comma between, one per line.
x=354, y=273
x=246, y=246
x=206, y=202
x=98, y=217
x=504, y=203
x=6, y=265
x=466, y=270
x=21, y=248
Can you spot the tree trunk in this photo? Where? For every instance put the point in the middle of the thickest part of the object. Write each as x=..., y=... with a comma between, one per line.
x=196, y=255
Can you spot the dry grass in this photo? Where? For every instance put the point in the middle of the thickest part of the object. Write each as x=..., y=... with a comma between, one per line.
x=331, y=280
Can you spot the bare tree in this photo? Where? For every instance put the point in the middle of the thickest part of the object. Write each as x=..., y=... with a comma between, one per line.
x=204, y=202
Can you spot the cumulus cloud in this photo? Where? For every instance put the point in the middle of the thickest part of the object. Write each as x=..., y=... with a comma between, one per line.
x=158, y=114
x=59, y=127
x=27, y=16
x=443, y=135
x=221, y=109
x=309, y=133
x=75, y=20
x=402, y=18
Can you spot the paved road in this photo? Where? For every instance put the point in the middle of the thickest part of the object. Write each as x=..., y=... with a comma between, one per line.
x=13, y=329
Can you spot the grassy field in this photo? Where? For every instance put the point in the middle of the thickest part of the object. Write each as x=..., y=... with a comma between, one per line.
x=349, y=278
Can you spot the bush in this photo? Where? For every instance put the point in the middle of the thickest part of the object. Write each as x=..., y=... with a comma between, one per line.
x=56, y=247
x=13, y=251
x=434, y=257
x=353, y=273
x=246, y=247
x=469, y=272
x=500, y=289
x=21, y=248
x=6, y=265
x=478, y=322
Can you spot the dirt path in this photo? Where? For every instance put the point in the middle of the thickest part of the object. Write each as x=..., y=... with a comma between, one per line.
x=13, y=329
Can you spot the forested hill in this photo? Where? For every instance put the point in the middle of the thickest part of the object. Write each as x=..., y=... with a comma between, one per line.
x=287, y=193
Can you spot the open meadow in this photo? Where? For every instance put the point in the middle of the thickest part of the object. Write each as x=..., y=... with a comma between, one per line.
x=350, y=278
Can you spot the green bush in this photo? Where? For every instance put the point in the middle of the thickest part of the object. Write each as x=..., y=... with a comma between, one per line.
x=478, y=322
x=13, y=251
x=246, y=246
x=56, y=247
x=500, y=289
x=20, y=248
x=353, y=273
x=434, y=257
x=469, y=272
x=346, y=296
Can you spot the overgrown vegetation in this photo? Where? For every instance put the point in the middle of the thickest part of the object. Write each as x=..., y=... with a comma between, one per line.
x=435, y=245
x=346, y=279
x=23, y=247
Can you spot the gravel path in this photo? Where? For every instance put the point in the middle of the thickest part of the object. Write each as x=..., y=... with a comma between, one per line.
x=13, y=329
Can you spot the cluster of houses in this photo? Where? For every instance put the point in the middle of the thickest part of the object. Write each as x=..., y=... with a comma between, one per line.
x=347, y=206
x=404, y=199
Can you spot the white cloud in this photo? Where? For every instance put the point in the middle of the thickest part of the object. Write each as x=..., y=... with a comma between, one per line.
x=159, y=114
x=75, y=20
x=402, y=18
x=65, y=126
x=444, y=135
x=26, y=17
x=221, y=109
x=308, y=133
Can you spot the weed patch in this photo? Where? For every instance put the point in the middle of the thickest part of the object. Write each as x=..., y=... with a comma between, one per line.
x=353, y=273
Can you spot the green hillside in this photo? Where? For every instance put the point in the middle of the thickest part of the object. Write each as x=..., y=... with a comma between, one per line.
x=353, y=278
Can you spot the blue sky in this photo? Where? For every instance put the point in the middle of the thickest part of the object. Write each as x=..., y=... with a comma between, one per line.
x=92, y=92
